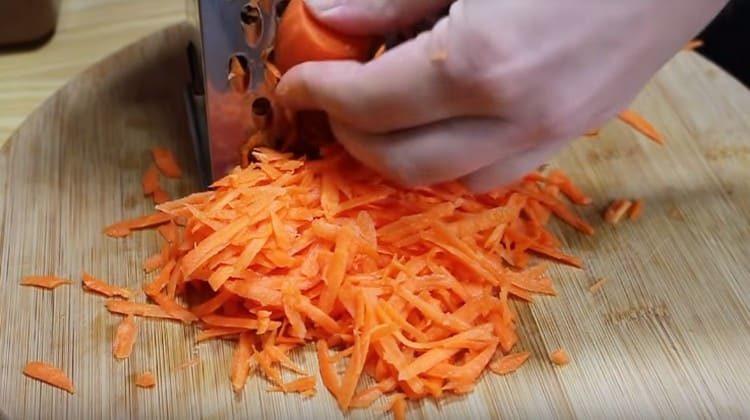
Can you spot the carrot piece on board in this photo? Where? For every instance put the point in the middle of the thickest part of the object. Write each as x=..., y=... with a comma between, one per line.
x=241, y=360
x=597, y=285
x=636, y=210
x=559, y=357
x=150, y=180
x=44, y=282
x=640, y=124
x=125, y=335
x=398, y=406
x=145, y=380
x=509, y=363
x=616, y=211
x=45, y=372
x=160, y=196
x=166, y=162
x=147, y=310
x=125, y=227
x=95, y=285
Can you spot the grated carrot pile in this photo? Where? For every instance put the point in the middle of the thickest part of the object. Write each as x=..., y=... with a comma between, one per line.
x=411, y=287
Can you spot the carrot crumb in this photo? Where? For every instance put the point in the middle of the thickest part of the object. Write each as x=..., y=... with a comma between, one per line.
x=636, y=210
x=559, y=357
x=145, y=380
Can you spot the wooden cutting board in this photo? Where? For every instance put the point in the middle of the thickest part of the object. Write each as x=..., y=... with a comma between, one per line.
x=667, y=336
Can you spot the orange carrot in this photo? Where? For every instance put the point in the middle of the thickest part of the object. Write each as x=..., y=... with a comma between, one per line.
x=44, y=282
x=640, y=124
x=150, y=181
x=95, y=285
x=616, y=211
x=636, y=210
x=559, y=357
x=145, y=380
x=45, y=372
x=243, y=355
x=166, y=162
x=398, y=406
x=410, y=287
x=509, y=363
x=160, y=196
x=125, y=336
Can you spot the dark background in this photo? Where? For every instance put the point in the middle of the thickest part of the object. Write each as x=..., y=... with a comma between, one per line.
x=727, y=40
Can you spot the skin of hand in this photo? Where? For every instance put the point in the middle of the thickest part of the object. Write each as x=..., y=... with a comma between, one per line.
x=495, y=89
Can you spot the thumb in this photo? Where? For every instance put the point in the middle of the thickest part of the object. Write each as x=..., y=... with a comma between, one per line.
x=371, y=17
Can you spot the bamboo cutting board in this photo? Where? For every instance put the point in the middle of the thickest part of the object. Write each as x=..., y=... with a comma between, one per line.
x=666, y=337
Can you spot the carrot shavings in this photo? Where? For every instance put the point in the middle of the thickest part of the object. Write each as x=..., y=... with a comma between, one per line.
x=166, y=162
x=409, y=287
x=138, y=309
x=145, y=380
x=636, y=210
x=125, y=336
x=150, y=181
x=47, y=373
x=241, y=361
x=95, y=285
x=44, y=282
x=597, y=285
x=640, y=124
x=509, y=363
x=160, y=196
x=616, y=211
x=559, y=357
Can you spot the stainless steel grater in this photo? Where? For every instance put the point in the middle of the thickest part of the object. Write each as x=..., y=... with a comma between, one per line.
x=219, y=105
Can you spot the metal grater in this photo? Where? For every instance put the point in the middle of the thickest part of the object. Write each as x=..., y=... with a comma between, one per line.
x=219, y=112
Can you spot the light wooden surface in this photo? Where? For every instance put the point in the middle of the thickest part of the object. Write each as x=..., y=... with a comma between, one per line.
x=666, y=337
x=88, y=31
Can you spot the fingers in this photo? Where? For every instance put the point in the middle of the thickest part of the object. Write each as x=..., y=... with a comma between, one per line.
x=512, y=167
x=406, y=87
x=368, y=17
x=435, y=153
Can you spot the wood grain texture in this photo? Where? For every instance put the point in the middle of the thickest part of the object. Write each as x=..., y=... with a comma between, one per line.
x=87, y=31
x=666, y=337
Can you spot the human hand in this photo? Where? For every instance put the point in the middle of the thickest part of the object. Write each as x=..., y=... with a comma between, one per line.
x=495, y=88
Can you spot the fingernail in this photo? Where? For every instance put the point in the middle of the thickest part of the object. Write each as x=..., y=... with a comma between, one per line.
x=323, y=5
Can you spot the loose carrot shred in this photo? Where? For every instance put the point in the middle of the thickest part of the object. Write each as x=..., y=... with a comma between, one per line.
x=243, y=355
x=598, y=285
x=44, y=282
x=150, y=181
x=616, y=211
x=166, y=162
x=45, y=372
x=95, y=285
x=125, y=335
x=145, y=380
x=509, y=363
x=640, y=124
x=408, y=286
x=147, y=310
x=160, y=196
x=559, y=357
x=636, y=210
